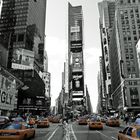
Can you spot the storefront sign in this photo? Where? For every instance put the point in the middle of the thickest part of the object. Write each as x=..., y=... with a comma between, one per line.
x=7, y=93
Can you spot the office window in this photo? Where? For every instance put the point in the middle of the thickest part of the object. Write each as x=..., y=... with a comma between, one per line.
x=134, y=1
x=134, y=32
x=131, y=50
x=133, y=69
x=128, y=69
x=131, y=56
x=126, y=50
x=126, y=56
x=128, y=1
x=128, y=63
x=135, y=38
x=21, y=37
x=129, y=38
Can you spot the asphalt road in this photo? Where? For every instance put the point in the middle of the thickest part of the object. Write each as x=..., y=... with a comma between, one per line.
x=74, y=131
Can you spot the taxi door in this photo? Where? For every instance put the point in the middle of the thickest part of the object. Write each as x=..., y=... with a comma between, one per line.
x=130, y=134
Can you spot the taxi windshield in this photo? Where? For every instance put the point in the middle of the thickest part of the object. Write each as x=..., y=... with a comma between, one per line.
x=13, y=126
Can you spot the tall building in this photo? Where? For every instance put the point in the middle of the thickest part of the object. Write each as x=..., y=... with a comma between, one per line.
x=126, y=81
x=22, y=26
x=101, y=107
x=75, y=52
x=106, y=21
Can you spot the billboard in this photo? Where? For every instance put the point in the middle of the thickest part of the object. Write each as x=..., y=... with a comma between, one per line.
x=77, y=62
x=7, y=93
x=46, y=79
x=77, y=82
x=23, y=59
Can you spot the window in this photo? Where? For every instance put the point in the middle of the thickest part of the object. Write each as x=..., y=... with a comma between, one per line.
x=21, y=37
x=128, y=69
x=135, y=38
x=129, y=132
x=125, y=130
x=134, y=1
x=131, y=50
x=126, y=50
x=127, y=56
x=133, y=69
x=134, y=32
x=131, y=56
x=128, y=63
x=128, y=1
x=129, y=38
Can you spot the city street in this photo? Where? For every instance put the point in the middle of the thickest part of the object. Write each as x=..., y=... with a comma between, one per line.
x=76, y=132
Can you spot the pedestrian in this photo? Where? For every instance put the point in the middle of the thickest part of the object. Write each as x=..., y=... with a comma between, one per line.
x=126, y=119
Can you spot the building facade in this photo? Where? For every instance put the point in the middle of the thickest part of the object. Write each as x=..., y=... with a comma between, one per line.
x=125, y=88
x=22, y=26
x=75, y=45
x=106, y=21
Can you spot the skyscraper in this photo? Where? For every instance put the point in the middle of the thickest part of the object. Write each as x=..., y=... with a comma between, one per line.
x=75, y=42
x=106, y=21
x=126, y=85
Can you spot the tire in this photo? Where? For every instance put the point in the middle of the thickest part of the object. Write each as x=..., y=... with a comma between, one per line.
x=33, y=135
x=25, y=137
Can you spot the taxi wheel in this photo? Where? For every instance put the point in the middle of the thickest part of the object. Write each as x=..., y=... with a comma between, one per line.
x=33, y=135
x=25, y=137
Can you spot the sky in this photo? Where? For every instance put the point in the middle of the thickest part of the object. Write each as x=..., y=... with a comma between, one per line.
x=56, y=44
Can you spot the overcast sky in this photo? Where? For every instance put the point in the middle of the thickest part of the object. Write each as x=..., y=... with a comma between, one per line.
x=56, y=44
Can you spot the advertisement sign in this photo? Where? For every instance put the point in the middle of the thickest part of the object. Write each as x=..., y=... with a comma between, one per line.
x=75, y=29
x=46, y=79
x=22, y=59
x=7, y=93
x=77, y=62
x=77, y=82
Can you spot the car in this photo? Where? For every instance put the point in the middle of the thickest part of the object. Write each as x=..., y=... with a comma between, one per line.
x=16, y=131
x=131, y=132
x=43, y=122
x=95, y=123
x=113, y=122
x=82, y=121
x=4, y=120
x=55, y=119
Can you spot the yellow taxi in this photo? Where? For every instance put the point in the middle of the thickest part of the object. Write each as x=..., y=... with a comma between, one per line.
x=130, y=133
x=50, y=118
x=113, y=122
x=95, y=124
x=16, y=131
x=43, y=122
x=82, y=121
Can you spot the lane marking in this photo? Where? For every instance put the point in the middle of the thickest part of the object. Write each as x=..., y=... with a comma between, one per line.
x=114, y=138
x=52, y=133
x=73, y=132
x=105, y=135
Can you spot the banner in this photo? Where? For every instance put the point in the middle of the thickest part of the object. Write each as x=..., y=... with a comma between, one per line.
x=77, y=82
x=7, y=93
x=22, y=59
